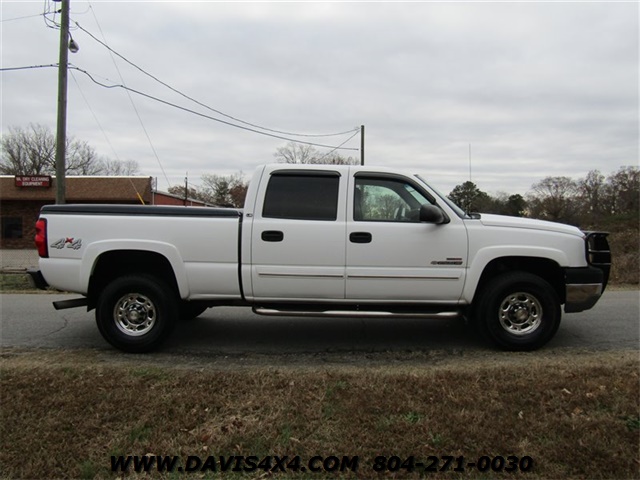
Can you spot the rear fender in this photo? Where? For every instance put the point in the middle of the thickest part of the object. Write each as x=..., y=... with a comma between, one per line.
x=168, y=251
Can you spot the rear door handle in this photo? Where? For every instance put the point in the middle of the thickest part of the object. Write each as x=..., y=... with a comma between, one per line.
x=360, y=237
x=272, y=236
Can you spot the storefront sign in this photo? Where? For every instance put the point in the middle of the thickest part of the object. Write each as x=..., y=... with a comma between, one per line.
x=42, y=181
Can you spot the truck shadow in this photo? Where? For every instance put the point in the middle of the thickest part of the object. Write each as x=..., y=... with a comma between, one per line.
x=237, y=330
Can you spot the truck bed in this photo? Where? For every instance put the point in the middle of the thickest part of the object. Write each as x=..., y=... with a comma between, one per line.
x=202, y=244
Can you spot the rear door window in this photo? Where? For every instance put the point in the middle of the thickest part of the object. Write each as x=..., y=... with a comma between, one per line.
x=302, y=196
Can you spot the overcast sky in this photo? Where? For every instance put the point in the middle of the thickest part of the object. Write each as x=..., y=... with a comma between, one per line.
x=537, y=89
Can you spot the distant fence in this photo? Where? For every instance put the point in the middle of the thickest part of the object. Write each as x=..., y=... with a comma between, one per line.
x=18, y=260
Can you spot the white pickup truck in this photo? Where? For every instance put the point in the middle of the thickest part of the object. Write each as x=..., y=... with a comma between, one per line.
x=320, y=240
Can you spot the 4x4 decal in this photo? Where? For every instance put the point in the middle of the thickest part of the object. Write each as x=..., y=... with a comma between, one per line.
x=75, y=243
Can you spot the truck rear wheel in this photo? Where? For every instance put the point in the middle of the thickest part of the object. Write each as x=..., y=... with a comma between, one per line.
x=519, y=311
x=136, y=313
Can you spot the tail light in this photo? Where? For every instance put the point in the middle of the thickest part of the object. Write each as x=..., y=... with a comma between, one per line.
x=41, y=238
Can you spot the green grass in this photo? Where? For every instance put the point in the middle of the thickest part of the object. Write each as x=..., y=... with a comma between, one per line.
x=576, y=415
x=10, y=282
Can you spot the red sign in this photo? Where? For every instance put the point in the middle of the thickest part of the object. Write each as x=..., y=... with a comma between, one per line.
x=42, y=181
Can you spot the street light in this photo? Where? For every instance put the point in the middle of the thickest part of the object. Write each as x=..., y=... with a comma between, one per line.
x=73, y=46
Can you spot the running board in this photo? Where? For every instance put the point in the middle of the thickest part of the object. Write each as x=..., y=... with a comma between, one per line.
x=76, y=302
x=355, y=313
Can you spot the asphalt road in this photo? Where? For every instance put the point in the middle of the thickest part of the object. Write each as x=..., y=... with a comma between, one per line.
x=29, y=320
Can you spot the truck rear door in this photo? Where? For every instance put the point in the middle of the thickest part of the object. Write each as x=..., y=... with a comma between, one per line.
x=298, y=236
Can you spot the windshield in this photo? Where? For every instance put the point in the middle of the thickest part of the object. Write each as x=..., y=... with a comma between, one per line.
x=445, y=199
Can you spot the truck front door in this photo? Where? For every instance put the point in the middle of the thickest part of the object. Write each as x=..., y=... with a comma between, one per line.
x=392, y=255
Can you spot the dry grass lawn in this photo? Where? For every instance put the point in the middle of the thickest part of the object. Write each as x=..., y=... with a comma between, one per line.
x=577, y=415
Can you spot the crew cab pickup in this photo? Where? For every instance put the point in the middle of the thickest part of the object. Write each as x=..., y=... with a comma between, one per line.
x=320, y=240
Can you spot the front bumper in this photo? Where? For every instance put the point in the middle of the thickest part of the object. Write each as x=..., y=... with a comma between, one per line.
x=584, y=287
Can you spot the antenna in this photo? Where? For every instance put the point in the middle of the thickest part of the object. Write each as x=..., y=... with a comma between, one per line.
x=469, y=162
x=470, y=183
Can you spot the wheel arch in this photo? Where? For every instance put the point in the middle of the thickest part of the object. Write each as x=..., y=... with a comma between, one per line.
x=112, y=264
x=545, y=268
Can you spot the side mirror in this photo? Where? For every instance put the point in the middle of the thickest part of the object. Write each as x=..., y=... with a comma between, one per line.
x=432, y=214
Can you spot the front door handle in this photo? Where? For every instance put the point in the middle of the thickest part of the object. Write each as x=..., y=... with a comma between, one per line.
x=360, y=237
x=272, y=236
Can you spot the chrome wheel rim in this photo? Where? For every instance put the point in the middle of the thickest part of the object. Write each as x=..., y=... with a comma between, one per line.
x=135, y=314
x=520, y=313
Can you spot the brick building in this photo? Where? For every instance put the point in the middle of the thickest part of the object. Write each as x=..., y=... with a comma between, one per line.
x=22, y=197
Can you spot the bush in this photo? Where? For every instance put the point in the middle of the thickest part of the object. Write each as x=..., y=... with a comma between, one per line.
x=625, y=267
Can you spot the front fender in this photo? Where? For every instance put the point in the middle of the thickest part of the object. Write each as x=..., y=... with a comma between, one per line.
x=486, y=255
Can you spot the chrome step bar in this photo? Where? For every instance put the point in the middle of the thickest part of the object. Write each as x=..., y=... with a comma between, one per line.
x=273, y=312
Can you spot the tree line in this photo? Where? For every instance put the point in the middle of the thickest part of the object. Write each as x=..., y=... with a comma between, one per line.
x=585, y=201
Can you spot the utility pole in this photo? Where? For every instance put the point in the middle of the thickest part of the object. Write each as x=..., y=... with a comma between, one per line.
x=61, y=135
x=361, y=144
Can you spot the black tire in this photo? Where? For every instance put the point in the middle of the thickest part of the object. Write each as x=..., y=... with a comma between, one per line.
x=136, y=313
x=518, y=311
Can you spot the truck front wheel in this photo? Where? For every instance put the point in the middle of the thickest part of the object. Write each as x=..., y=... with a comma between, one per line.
x=136, y=313
x=519, y=311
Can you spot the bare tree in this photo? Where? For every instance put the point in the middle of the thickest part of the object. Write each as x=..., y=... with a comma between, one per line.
x=31, y=151
x=219, y=190
x=28, y=151
x=225, y=190
x=119, y=167
x=81, y=159
x=623, y=190
x=553, y=198
x=192, y=193
x=294, y=152
x=591, y=191
x=336, y=159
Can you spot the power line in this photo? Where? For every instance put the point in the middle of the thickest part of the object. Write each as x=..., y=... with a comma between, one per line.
x=144, y=129
x=331, y=151
x=95, y=117
x=29, y=67
x=49, y=11
x=188, y=110
x=22, y=18
x=204, y=105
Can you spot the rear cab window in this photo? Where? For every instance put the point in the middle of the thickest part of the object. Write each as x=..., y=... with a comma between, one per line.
x=302, y=195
